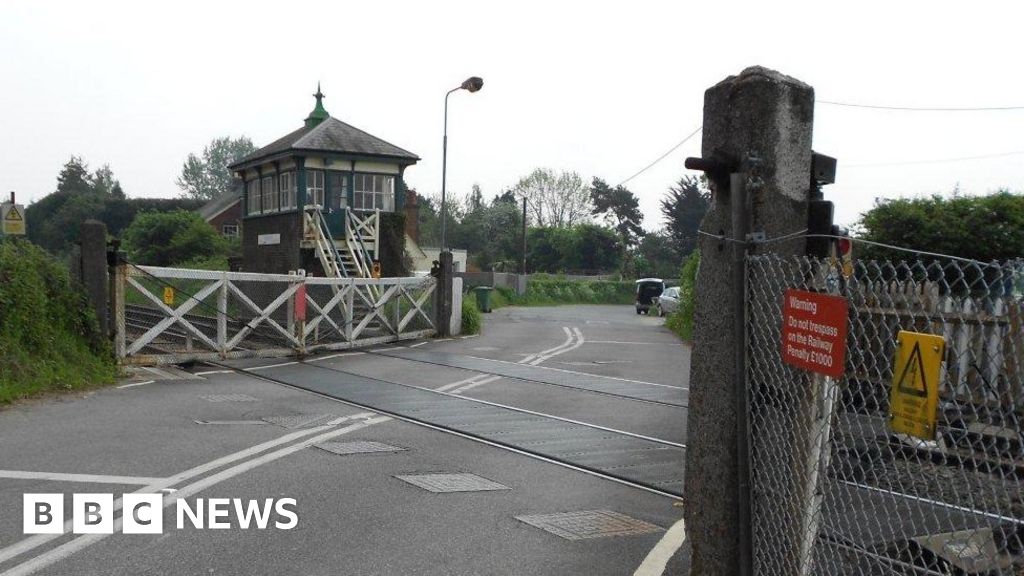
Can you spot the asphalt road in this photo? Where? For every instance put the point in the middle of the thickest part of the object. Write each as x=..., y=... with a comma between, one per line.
x=597, y=399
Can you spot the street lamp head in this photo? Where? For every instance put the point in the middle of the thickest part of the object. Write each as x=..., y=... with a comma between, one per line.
x=473, y=84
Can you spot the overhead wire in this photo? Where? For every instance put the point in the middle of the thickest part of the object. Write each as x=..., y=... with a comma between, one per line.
x=921, y=108
x=663, y=156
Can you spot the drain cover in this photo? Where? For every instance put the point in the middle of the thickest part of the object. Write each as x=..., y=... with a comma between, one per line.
x=589, y=524
x=460, y=482
x=358, y=447
x=301, y=420
x=229, y=398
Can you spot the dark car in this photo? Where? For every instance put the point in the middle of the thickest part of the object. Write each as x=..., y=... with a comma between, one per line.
x=647, y=292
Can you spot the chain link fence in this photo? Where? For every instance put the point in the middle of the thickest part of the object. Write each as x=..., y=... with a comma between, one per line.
x=172, y=315
x=833, y=489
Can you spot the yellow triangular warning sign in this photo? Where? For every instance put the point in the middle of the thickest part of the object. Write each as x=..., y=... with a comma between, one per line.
x=912, y=379
x=13, y=215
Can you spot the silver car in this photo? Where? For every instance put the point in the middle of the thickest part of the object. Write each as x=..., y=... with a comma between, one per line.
x=668, y=302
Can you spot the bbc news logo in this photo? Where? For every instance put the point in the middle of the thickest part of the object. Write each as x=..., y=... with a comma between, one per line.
x=144, y=514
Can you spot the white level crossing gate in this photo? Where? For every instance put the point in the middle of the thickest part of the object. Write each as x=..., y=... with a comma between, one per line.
x=170, y=315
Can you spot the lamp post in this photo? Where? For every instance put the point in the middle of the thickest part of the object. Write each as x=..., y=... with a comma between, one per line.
x=472, y=84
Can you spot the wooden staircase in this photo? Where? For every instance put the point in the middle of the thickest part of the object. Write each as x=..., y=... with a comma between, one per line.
x=351, y=257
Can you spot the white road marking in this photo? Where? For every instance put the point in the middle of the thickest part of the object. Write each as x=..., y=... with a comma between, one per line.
x=443, y=339
x=272, y=366
x=385, y=349
x=656, y=560
x=134, y=384
x=472, y=385
x=417, y=344
x=573, y=340
x=460, y=382
x=643, y=343
x=64, y=550
x=329, y=356
x=86, y=478
x=469, y=336
x=27, y=544
x=584, y=373
x=208, y=372
x=572, y=346
x=568, y=342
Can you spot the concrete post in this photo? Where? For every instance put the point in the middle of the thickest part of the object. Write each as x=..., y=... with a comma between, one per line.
x=93, y=267
x=760, y=122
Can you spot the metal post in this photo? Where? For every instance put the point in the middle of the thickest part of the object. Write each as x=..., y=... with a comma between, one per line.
x=740, y=224
x=444, y=177
x=120, y=279
x=222, y=315
x=522, y=267
x=349, y=316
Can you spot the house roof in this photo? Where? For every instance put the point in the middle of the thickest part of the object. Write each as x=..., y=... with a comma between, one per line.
x=331, y=135
x=211, y=209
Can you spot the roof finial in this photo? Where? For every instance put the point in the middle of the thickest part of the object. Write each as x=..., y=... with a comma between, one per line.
x=319, y=114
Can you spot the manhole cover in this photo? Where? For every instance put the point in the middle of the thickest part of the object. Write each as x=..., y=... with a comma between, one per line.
x=301, y=420
x=229, y=398
x=460, y=482
x=589, y=524
x=358, y=447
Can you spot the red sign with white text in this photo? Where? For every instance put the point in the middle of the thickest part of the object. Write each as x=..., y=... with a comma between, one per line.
x=814, y=332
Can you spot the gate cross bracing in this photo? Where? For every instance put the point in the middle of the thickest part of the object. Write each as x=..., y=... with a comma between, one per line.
x=833, y=490
x=171, y=315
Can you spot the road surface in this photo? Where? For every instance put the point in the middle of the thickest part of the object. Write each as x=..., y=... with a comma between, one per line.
x=563, y=429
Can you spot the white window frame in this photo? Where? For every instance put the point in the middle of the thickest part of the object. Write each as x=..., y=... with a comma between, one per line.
x=374, y=192
x=229, y=230
x=286, y=185
x=271, y=201
x=252, y=192
x=315, y=188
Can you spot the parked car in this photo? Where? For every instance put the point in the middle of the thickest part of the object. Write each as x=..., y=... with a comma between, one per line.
x=647, y=292
x=668, y=302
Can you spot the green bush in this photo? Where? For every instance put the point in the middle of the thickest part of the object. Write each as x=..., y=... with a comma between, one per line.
x=681, y=321
x=49, y=338
x=548, y=290
x=471, y=317
x=171, y=238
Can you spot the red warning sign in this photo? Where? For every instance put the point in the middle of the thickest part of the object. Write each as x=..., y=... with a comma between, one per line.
x=300, y=303
x=814, y=332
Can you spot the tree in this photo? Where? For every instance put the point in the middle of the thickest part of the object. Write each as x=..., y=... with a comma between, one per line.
x=621, y=209
x=684, y=207
x=207, y=176
x=554, y=200
x=54, y=220
x=169, y=238
x=103, y=182
x=985, y=228
x=656, y=256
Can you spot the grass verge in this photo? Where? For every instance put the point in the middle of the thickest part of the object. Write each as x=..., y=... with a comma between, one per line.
x=49, y=339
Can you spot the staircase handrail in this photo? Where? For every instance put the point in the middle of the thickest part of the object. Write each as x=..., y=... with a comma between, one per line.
x=366, y=265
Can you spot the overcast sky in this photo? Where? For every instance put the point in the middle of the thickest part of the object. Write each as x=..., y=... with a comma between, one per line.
x=600, y=88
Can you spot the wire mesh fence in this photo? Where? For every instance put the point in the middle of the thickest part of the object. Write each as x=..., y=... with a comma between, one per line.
x=834, y=489
x=171, y=315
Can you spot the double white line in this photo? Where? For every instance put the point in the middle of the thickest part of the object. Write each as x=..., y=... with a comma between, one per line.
x=573, y=340
x=248, y=458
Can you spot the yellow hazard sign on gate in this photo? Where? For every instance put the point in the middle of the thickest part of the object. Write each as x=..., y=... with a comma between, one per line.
x=914, y=399
x=169, y=295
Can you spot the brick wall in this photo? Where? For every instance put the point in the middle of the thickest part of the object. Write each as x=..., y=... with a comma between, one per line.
x=272, y=258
